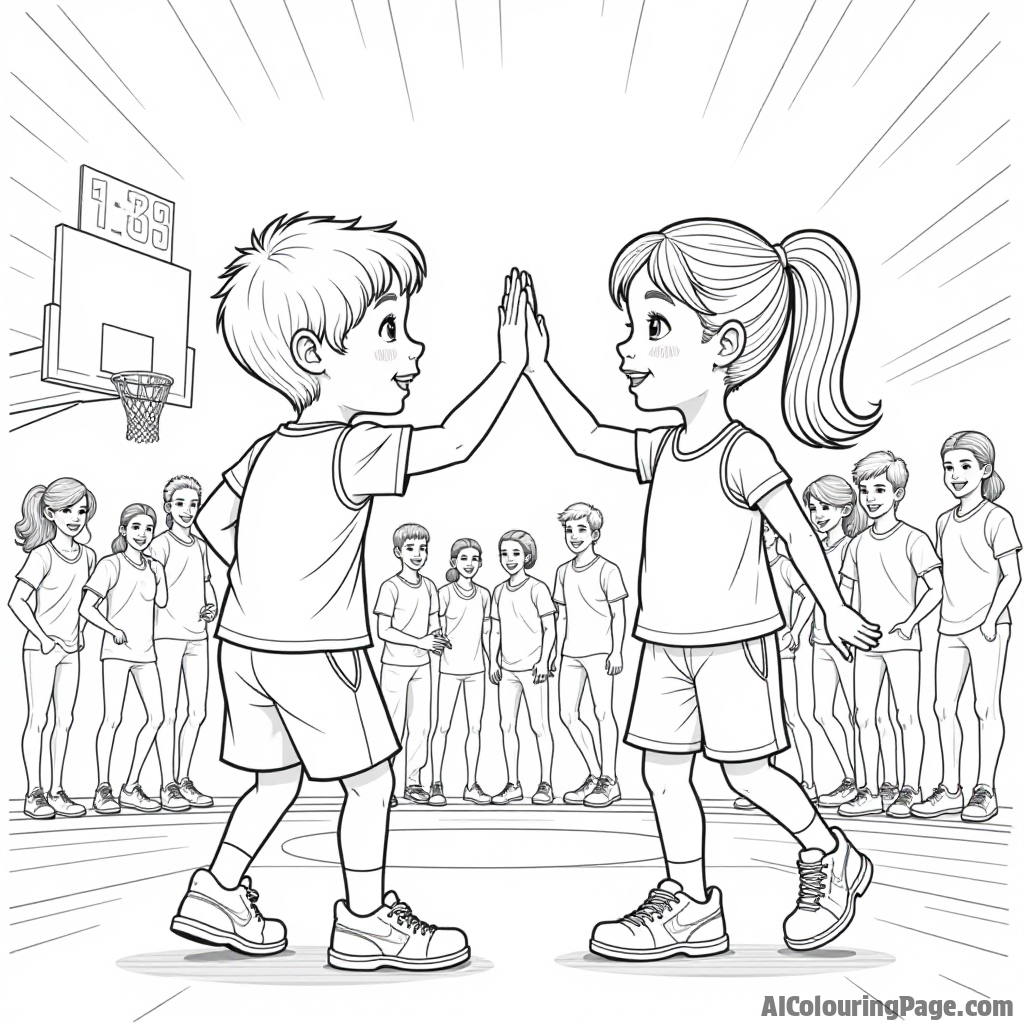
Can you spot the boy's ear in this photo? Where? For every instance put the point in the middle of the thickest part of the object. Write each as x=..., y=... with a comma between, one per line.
x=730, y=340
x=596, y=534
x=398, y=553
x=901, y=493
x=305, y=348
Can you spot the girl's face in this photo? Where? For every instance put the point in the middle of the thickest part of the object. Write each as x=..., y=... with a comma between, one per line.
x=664, y=358
x=71, y=520
x=770, y=536
x=513, y=558
x=138, y=532
x=961, y=473
x=467, y=562
x=825, y=517
x=183, y=506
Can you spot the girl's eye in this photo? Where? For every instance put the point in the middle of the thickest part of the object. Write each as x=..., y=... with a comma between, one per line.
x=388, y=328
x=657, y=326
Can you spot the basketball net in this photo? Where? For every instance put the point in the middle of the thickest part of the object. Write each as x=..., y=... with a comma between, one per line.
x=143, y=395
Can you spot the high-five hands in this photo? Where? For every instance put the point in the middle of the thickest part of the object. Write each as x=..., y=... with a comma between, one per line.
x=537, y=340
x=512, y=321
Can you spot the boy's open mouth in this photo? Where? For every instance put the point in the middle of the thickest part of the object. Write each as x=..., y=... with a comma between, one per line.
x=636, y=378
x=404, y=380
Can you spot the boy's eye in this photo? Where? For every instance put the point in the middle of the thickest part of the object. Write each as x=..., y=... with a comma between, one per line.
x=657, y=326
x=388, y=328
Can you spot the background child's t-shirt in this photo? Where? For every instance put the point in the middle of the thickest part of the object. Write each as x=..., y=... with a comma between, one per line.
x=187, y=568
x=413, y=610
x=788, y=583
x=519, y=613
x=130, y=592
x=586, y=595
x=834, y=556
x=57, y=583
x=462, y=619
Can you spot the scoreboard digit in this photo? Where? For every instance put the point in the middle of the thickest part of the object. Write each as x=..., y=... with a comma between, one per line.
x=112, y=209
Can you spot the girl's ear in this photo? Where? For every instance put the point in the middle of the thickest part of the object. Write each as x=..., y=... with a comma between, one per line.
x=48, y=513
x=731, y=338
x=305, y=348
x=986, y=471
x=452, y=561
x=167, y=506
x=123, y=530
x=398, y=553
x=847, y=509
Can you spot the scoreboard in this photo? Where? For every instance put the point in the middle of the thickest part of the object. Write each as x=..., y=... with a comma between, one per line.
x=118, y=212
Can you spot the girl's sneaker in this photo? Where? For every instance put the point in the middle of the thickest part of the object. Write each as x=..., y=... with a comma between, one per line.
x=475, y=795
x=36, y=805
x=578, y=796
x=605, y=792
x=900, y=807
x=888, y=792
x=416, y=793
x=436, y=795
x=981, y=807
x=63, y=805
x=862, y=804
x=511, y=793
x=393, y=937
x=940, y=802
x=843, y=793
x=193, y=796
x=104, y=802
x=137, y=800
x=172, y=799
x=544, y=794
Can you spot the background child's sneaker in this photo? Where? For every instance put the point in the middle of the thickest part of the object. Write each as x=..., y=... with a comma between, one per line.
x=843, y=793
x=888, y=792
x=216, y=916
x=172, y=799
x=137, y=800
x=544, y=794
x=475, y=795
x=900, y=807
x=862, y=804
x=393, y=937
x=668, y=923
x=104, y=801
x=511, y=792
x=36, y=805
x=829, y=886
x=64, y=806
x=436, y=795
x=981, y=807
x=940, y=802
x=577, y=796
x=193, y=796
x=417, y=794
x=605, y=792
x=741, y=803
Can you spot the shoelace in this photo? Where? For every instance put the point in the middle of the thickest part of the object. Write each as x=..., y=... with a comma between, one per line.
x=36, y=795
x=981, y=794
x=812, y=884
x=888, y=792
x=508, y=790
x=173, y=790
x=906, y=796
x=436, y=790
x=61, y=795
x=252, y=896
x=657, y=903
x=603, y=787
x=937, y=794
x=403, y=915
x=185, y=786
x=863, y=794
x=105, y=792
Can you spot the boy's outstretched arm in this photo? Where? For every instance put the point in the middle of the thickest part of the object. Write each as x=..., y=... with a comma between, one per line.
x=465, y=427
x=572, y=419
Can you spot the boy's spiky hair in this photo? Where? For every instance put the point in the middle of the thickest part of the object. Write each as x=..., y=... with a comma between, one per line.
x=583, y=510
x=410, y=531
x=319, y=274
x=882, y=464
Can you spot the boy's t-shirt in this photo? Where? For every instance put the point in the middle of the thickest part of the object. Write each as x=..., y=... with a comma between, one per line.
x=788, y=583
x=704, y=578
x=887, y=567
x=305, y=492
x=834, y=556
x=413, y=610
x=586, y=595
x=970, y=547
x=188, y=569
x=463, y=621
x=57, y=582
x=130, y=592
x=519, y=612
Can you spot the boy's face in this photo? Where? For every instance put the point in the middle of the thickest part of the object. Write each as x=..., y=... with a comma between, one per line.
x=183, y=507
x=512, y=556
x=138, y=532
x=467, y=562
x=664, y=359
x=413, y=553
x=579, y=537
x=961, y=473
x=825, y=517
x=877, y=496
x=380, y=360
x=69, y=520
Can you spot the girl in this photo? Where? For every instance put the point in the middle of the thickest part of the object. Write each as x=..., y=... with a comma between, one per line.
x=53, y=526
x=522, y=638
x=978, y=545
x=709, y=304
x=180, y=634
x=465, y=620
x=132, y=586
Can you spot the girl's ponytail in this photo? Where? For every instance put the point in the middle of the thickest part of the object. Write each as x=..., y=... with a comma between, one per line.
x=837, y=492
x=824, y=303
x=984, y=451
x=33, y=530
x=452, y=575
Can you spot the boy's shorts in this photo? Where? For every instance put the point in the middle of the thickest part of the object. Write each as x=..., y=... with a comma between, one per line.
x=724, y=700
x=321, y=710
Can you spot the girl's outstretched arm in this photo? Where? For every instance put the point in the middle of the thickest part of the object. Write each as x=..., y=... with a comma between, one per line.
x=844, y=626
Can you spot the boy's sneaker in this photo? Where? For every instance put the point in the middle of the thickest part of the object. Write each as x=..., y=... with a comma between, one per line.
x=605, y=792
x=417, y=794
x=172, y=799
x=843, y=793
x=393, y=937
x=981, y=807
x=63, y=805
x=36, y=805
x=510, y=793
x=193, y=796
x=888, y=792
x=475, y=795
x=829, y=886
x=216, y=916
x=668, y=923
x=578, y=796
x=940, y=802
x=544, y=794
x=137, y=800
x=862, y=804
x=741, y=803
x=900, y=807
x=436, y=795
x=104, y=801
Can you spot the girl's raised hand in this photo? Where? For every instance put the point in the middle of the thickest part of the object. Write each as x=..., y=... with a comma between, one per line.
x=512, y=320
x=537, y=340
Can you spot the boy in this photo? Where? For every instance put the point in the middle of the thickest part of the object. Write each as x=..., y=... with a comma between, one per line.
x=408, y=622
x=590, y=601
x=886, y=561
x=316, y=308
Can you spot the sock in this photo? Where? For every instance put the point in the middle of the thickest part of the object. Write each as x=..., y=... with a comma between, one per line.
x=229, y=865
x=364, y=891
x=817, y=836
x=690, y=875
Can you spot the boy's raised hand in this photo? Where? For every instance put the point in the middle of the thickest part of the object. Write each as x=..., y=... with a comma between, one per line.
x=512, y=320
x=537, y=341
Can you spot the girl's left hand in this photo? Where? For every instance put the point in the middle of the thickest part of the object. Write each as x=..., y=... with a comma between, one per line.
x=208, y=612
x=988, y=630
x=905, y=630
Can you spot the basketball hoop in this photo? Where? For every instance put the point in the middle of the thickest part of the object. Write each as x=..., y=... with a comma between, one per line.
x=143, y=395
